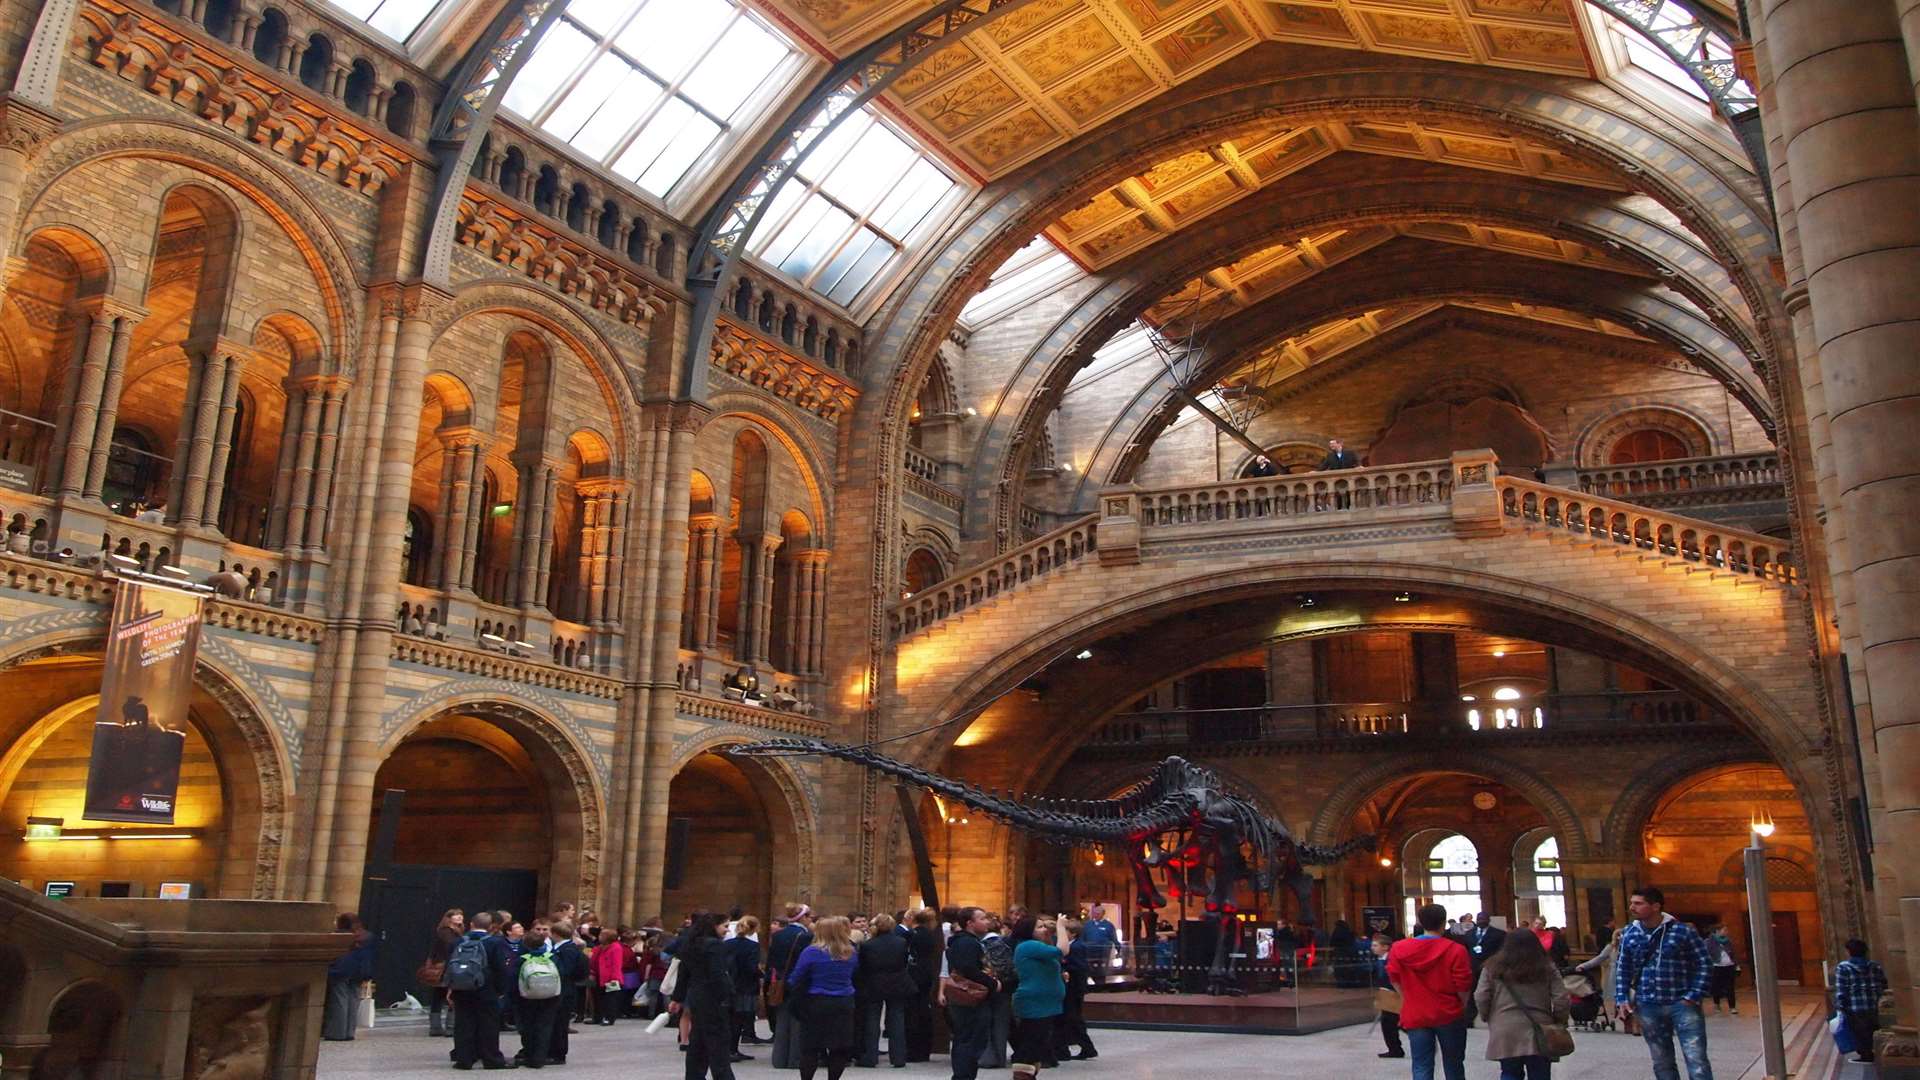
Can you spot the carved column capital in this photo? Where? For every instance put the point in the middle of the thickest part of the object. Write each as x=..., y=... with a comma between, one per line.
x=25, y=127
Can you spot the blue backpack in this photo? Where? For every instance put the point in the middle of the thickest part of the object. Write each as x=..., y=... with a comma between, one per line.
x=467, y=967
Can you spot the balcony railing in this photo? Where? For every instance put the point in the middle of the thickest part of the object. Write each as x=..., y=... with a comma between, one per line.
x=1603, y=714
x=1034, y=559
x=1721, y=473
x=1599, y=518
x=1300, y=496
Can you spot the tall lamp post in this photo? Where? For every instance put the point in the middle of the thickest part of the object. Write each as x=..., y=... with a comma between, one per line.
x=1765, y=972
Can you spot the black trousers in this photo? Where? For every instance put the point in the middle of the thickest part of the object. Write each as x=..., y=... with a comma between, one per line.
x=920, y=1026
x=476, y=1027
x=1033, y=1039
x=537, y=1020
x=710, y=1043
x=1071, y=1030
x=1390, y=1031
x=971, y=1024
x=1862, y=1025
x=606, y=1006
x=1722, y=980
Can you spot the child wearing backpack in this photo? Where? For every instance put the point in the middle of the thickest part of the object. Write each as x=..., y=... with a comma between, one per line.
x=537, y=989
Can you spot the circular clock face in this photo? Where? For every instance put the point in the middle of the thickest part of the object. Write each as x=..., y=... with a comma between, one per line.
x=1484, y=800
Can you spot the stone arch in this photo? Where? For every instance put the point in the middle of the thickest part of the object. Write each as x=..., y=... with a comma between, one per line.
x=252, y=752
x=1596, y=441
x=92, y=256
x=305, y=351
x=780, y=424
x=596, y=350
x=1690, y=664
x=556, y=748
x=770, y=776
x=1620, y=834
x=456, y=400
x=1338, y=811
x=234, y=164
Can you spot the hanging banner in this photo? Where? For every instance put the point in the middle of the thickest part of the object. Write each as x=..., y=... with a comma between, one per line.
x=134, y=774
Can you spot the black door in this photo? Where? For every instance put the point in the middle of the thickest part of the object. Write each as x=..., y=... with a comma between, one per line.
x=402, y=911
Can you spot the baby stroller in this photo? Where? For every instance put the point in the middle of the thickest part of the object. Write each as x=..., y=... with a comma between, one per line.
x=1588, y=1010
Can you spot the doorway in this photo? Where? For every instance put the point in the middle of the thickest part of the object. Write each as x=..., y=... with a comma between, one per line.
x=402, y=912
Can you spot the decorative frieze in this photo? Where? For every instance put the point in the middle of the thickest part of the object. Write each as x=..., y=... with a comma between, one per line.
x=197, y=78
x=504, y=235
x=789, y=377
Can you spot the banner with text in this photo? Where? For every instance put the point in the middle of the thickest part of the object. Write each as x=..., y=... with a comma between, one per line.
x=134, y=774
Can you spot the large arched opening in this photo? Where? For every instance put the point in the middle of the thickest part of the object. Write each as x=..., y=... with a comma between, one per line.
x=739, y=834
x=497, y=810
x=226, y=834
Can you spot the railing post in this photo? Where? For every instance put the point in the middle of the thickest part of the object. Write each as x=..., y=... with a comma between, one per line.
x=1476, y=500
x=1118, y=532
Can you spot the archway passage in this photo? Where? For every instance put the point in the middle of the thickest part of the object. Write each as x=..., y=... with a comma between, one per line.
x=721, y=838
x=229, y=804
x=489, y=820
x=1691, y=848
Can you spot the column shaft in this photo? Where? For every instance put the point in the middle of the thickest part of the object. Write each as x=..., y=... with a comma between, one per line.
x=816, y=662
x=543, y=554
x=715, y=567
x=700, y=550
x=475, y=518
x=763, y=553
x=109, y=414
x=280, y=504
x=306, y=446
x=326, y=456
x=222, y=443
x=453, y=531
x=800, y=616
x=86, y=403
x=205, y=400
x=617, y=560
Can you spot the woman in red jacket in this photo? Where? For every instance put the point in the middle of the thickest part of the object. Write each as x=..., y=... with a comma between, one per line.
x=609, y=960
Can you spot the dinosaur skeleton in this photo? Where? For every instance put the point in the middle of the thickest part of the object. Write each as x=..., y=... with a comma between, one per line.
x=1180, y=819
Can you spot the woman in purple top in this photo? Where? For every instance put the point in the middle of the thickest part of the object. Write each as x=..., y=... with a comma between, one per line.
x=821, y=984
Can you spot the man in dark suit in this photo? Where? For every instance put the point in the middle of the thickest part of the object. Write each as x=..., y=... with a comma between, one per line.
x=1482, y=940
x=1339, y=457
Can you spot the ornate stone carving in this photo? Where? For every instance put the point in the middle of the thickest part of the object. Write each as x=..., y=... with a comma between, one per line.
x=787, y=376
x=25, y=128
x=504, y=235
x=200, y=80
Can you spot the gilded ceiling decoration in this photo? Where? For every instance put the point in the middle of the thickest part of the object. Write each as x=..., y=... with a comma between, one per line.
x=1055, y=69
x=1266, y=272
x=1283, y=359
x=1173, y=193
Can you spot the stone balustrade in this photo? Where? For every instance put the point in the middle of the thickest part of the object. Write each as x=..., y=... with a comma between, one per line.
x=1303, y=495
x=1574, y=716
x=921, y=465
x=1607, y=520
x=1031, y=561
x=1717, y=473
x=471, y=660
x=719, y=710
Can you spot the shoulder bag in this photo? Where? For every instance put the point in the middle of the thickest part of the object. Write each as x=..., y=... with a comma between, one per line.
x=962, y=991
x=1551, y=1040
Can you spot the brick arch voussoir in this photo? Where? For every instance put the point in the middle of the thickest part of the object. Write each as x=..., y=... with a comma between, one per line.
x=337, y=273
x=1620, y=833
x=1769, y=720
x=1337, y=813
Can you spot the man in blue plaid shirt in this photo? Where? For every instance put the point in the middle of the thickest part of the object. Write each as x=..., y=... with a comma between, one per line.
x=1661, y=977
x=1857, y=985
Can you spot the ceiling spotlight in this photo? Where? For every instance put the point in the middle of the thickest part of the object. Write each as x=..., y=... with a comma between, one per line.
x=1305, y=600
x=1498, y=653
x=1385, y=861
x=1654, y=859
x=1403, y=597
x=1083, y=654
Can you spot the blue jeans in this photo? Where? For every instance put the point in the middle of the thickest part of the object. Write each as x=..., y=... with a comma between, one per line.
x=1452, y=1041
x=1659, y=1024
x=1531, y=1067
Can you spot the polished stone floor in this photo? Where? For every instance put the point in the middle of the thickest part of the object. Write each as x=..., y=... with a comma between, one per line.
x=402, y=1051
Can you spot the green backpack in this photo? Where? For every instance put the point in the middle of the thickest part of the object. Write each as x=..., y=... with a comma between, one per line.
x=539, y=977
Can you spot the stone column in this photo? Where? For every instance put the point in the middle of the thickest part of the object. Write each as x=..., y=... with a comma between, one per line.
x=295, y=501
x=543, y=555
x=109, y=414
x=326, y=455
x=223, y=441
x=761, y=552
x=203, y=416
x=595, y=581
x=1844, y=99
x=85, y=411
x=817, y=647
x=619, y=507
x=290, y=430
x=475, y=519
x=702, y=531
x=27, y=123
x=528, y=514
x=800, y=615
x=709, y=613
x=459, y=448
x=583, y=558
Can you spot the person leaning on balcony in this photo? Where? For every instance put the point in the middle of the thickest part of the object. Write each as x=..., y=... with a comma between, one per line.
x=1339, y=457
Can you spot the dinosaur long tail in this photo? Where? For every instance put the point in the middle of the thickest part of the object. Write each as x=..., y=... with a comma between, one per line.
x=1053, y=824
x=1315, y=855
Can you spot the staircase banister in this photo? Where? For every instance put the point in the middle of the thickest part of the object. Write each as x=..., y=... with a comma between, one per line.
x=1011, y=555
x=1439, y=464
x=1591, y=500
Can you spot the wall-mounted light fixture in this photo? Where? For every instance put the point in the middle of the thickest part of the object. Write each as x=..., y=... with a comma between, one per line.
x=113, y=834
x=1762, y=822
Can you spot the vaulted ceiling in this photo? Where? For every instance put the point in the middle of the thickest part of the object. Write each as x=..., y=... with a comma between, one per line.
x=1054, y=69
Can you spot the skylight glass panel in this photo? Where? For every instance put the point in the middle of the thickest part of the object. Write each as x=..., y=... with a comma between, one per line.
x=650, y=88
x=1034, y=269
x=397, y=19
x=842, y=219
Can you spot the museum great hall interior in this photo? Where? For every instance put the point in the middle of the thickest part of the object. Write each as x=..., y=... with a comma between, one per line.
x=559, y=392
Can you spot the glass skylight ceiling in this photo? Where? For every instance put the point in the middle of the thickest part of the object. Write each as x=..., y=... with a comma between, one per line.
x=649, y=87
x=844, y=217
x=397, y=19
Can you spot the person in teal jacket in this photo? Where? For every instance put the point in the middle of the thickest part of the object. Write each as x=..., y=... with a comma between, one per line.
x=1041, y=997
